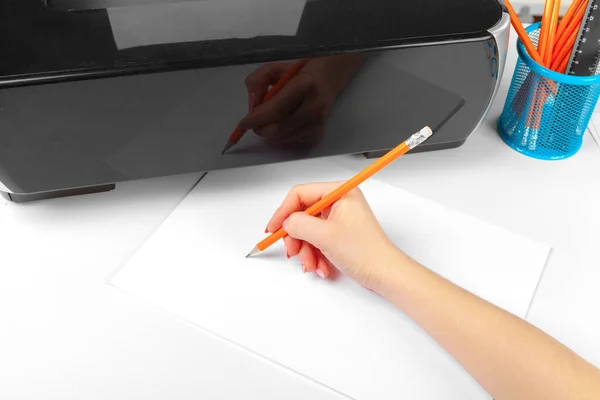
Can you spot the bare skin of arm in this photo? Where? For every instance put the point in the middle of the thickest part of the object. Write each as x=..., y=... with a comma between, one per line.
x=510, y=358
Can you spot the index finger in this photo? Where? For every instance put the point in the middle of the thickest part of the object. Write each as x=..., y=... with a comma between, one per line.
x=298, y=199
x=259, y=81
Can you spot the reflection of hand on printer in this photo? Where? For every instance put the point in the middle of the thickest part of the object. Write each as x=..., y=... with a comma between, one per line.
x=298, y=113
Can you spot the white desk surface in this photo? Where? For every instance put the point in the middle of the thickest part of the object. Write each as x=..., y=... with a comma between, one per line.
x=66, y=334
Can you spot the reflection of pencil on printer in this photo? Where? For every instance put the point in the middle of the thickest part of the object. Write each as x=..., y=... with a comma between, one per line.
x=238, y=133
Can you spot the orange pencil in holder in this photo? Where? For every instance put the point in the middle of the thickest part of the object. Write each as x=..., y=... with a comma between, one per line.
x=565, y=38
x=546, y=112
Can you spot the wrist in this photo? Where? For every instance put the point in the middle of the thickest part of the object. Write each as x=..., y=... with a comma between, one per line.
x=396, y=274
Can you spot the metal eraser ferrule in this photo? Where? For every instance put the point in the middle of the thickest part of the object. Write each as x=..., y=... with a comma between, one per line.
x=419, y=137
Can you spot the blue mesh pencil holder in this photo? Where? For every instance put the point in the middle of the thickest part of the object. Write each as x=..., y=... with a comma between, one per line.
x=546, y=113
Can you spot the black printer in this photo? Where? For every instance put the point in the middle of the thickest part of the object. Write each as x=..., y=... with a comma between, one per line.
x=98, y=92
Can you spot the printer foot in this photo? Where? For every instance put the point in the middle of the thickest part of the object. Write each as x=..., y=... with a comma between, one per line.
x=24, y=198
x=420, y=149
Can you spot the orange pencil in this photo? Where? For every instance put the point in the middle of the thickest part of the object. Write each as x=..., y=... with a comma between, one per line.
x=566, y=19
x=551, y=33
x=567, y=25
x=545, y=29
x=569, y=35
x=565, y=51
x=238, y=133
x=562, y=67
x=516, y=23
x=567, y=48
x=351, y=184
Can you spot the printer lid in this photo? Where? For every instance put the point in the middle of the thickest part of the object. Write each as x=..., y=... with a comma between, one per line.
x=45, y=41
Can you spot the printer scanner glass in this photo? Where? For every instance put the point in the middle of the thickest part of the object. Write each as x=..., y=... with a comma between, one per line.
x=72, y=39
x=193, y=21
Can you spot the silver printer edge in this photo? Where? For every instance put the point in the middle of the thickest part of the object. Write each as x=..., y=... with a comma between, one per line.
x=4, y=188
x=501, y=32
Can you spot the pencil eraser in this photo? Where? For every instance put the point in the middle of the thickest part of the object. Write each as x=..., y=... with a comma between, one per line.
x=426, y=132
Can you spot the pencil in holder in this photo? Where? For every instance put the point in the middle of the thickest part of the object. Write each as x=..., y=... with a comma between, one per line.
x=546, y=113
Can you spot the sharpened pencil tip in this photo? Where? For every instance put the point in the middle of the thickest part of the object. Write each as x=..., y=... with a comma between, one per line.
x=253, y=252
x=227, y=147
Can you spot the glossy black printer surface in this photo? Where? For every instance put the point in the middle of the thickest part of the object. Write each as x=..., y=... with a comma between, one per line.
x=97, y=92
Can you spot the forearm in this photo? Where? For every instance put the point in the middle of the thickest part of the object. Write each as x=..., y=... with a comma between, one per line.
x=510, y=358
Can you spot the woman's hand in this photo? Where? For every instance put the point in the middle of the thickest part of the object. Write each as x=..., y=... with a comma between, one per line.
x=347, y=234
x=298, y=114
x=509, y=358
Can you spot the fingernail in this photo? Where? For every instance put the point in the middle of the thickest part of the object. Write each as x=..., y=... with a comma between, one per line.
x=320, y=273
x=284, y=225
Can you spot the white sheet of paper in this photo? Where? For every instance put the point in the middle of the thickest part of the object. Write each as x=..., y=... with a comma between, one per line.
x=189, y=21
x=334, y=332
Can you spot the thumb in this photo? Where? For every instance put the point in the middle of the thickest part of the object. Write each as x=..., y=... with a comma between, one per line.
x=315, y=231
